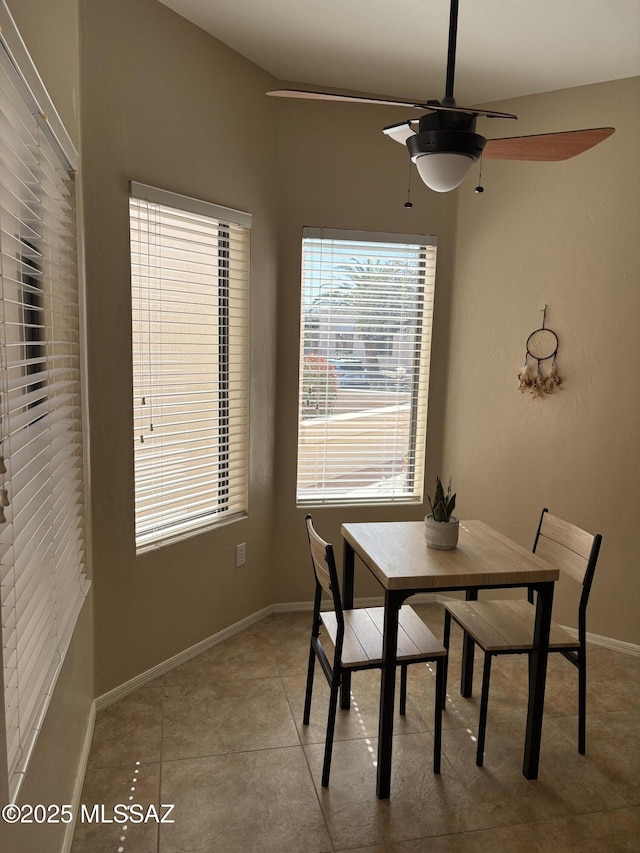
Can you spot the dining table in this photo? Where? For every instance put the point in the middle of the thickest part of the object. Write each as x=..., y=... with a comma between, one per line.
x=396, y=554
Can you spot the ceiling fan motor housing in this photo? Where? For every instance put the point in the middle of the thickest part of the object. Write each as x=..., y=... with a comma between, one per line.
x=446, y=132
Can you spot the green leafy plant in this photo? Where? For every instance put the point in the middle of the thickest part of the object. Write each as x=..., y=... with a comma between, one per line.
x=443, y=504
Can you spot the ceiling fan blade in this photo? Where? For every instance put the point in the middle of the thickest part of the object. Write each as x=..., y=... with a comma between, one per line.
x=475, y=111
x=546, y=146
x=400, y=132
x=362, y=99
x=331, y=96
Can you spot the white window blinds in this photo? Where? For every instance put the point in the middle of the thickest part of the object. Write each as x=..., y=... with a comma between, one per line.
x=367, y=303
x=190, y=314
x=42, y=560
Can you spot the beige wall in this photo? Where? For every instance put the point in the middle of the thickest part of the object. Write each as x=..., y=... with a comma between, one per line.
x=50, y=32
x=165, y=104
x=338, y=170
x=565, y=234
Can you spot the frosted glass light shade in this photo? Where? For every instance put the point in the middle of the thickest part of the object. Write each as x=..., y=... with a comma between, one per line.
x=444, y=171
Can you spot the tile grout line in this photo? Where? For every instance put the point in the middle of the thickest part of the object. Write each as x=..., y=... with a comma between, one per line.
x=306, y=760
x=161, y=761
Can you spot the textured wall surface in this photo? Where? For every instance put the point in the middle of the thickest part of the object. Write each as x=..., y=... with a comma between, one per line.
x=165, y=104
x=564, y=234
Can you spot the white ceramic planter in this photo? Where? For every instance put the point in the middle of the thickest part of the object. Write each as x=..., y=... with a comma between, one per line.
x=442, y=535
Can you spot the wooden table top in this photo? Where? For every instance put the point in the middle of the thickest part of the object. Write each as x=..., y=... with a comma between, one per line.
x=397, y=554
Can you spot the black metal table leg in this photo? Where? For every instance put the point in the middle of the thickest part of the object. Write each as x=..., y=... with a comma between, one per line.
x=537, y=679
x=468, y=649
x=348, y=563
x=392, y=603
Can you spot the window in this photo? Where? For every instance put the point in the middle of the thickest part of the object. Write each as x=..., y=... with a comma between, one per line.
x=190, y=314
x=43, y=579
x=363, y=407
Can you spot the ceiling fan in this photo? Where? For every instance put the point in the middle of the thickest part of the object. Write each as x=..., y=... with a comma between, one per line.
x=444, y=144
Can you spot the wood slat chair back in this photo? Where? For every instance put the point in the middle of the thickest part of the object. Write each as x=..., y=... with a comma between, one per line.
x=506, y=626
x=565, y=546
x=572, y=550
x=324, y=564
x=357, y=637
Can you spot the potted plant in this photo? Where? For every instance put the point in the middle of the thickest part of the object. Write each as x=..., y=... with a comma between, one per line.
x=441, y=526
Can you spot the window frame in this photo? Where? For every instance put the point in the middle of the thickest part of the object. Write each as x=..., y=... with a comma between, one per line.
x=424, y=258
x=230, y=367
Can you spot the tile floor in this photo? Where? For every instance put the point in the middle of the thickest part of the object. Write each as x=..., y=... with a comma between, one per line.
x=221, y=739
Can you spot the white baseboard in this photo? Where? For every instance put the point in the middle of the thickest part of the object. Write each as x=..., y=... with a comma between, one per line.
x=377, y=601
x=439, y=598
x=123, y=690
x=80, y=774
x=608, y=643
x=293, y=607
x=149, y=675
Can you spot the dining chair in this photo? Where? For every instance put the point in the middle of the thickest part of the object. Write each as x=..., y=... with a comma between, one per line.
x=505, y=627
x=356, y=637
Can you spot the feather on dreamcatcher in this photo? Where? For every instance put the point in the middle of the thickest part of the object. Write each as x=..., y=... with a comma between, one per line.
x=542, y=345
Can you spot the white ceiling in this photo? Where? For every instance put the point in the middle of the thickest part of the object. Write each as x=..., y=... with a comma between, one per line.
x=397, y=48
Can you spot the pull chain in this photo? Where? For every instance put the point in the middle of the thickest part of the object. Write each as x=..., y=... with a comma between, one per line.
x=408, y=202
x=480, y=188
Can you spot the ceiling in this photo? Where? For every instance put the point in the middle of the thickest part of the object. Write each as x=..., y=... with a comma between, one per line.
x=397, y=48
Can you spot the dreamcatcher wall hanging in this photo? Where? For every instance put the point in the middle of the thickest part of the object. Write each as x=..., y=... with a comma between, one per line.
x=542, y=346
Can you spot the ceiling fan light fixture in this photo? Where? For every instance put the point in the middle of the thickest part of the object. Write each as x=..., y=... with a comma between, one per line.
x=445, y=171
x=444, y=157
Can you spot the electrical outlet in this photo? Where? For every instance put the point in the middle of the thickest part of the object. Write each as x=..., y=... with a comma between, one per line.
x=241, y=554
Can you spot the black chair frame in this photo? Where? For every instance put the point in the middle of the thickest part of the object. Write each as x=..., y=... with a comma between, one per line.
x=334, y=671
x=576, y=656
